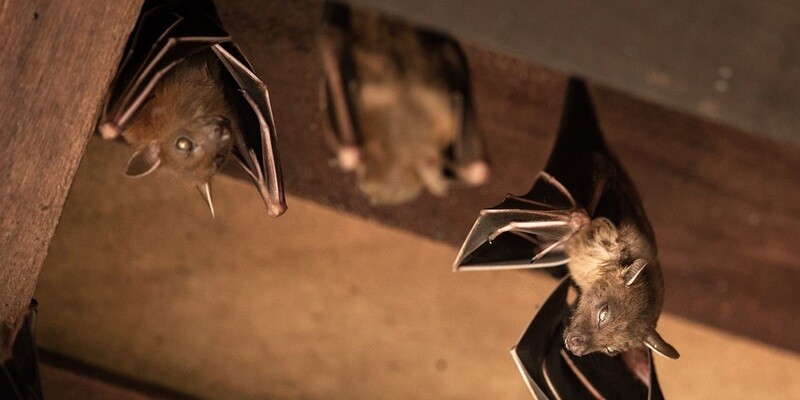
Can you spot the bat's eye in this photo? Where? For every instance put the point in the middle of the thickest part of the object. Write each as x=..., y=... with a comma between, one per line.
x=601, y=317
x=184, y=144
x=611, y=351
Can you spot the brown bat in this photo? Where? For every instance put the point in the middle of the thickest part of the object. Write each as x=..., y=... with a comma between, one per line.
x=551, y=372
x=186, y=126
x=186, y=99
x=617, y=270
x=400, y=104
x=583, y=212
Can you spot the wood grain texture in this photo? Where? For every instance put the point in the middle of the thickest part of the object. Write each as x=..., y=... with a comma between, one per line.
x=724, y=204
x=58, y=59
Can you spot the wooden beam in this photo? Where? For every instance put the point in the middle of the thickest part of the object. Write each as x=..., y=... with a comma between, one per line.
x=58, y=59
x=734, y=62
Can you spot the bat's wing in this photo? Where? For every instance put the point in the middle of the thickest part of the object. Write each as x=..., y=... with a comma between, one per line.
x=334, y=39
x=19, y=376
x=256, y=147
x=531, y=351
x=523, y=232
x=165, y=35
x=566, y=191
x=169, y=31
x=551, y=372
x=467, y=154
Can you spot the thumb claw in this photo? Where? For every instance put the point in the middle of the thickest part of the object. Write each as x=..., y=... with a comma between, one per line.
x=205, y=192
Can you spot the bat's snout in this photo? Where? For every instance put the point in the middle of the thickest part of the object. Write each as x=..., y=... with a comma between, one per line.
x=575, y=344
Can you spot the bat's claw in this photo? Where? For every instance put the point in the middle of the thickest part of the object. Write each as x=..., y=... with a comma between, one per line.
x=475, y=174
x=348, y=158
x=498, y=232
x=109, y=130
x=579, y=218
x=275, y=209
x=205, y=192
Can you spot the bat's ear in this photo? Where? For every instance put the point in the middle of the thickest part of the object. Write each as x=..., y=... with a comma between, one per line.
x=144, y=161
x=657, y=344
x=634, y=271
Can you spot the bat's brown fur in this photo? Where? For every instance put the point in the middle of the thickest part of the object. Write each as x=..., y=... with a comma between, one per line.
x=599, y=257
x=407, y=114
x=188, y=102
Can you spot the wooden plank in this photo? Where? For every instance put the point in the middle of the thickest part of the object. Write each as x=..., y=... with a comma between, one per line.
x=58, y=59
x=737, y=63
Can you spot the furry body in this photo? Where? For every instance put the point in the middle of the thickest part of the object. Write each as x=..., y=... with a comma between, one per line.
x=188, y=104
x=400, y=104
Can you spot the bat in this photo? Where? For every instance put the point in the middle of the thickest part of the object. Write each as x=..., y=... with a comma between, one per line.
x=582, y=213
x=550, y=372
x=19, y=364
x=400, y=106
x=186, y=99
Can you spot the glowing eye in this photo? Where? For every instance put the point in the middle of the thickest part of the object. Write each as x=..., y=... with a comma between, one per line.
x=611, y=351
x=602, y=315
x=184, y=144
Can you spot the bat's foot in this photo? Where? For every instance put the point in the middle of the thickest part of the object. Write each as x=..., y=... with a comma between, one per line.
x=275, y=209
x=109, y=130
x=475, y=174
x=349, y=158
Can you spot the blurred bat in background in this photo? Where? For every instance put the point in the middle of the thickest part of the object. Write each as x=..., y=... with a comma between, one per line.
x=186, y=98
x=400, y=106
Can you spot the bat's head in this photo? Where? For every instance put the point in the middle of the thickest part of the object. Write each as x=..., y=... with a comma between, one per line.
x=619, y=311
x=194, y=151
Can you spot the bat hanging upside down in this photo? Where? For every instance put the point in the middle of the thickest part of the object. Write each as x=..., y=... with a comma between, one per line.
x=400, y=105
x=584, y=212
x=186, y=126
x=621, y=296
x=187, y=99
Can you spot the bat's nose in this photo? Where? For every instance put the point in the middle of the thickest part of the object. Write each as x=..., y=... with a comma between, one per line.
x=575, y=344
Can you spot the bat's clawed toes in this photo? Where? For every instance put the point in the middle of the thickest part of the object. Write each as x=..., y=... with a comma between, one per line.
x=475, y=174
x=275, y=209
x=109, y=130
x=349, y=158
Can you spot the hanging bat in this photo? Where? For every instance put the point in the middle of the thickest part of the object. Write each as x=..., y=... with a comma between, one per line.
x=551, y=372
x=400, y=106
x=186, y=99
x=583, y=212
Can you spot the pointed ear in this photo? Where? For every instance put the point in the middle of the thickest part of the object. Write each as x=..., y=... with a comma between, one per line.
x=144, y=161
x=634, y=271
x=657, y=344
